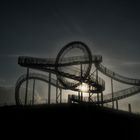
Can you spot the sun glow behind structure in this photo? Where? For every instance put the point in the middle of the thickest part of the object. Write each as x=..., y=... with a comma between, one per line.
x=84, y=87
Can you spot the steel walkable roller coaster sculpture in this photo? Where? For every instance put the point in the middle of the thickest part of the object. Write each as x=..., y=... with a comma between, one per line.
x=71, y=71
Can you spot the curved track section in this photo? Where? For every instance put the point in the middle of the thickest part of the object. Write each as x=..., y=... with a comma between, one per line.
x=122, y=94
x=27, y=61
x=45, y=78
x=48, y=65
x=117, y=77
x=73, y=47
x=118, y=95
x=108, y=97
x=36, y=76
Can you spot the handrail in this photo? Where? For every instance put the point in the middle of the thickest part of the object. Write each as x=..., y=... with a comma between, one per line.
x=117, y=76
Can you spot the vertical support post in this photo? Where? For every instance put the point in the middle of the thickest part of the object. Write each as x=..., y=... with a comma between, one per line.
x=49, y=88
x=69, y=100
x=57, y=91
x=89, y=98
x=81, y=82
x=60, y=95
x=78, y=95
x=117, y=104
x=81, y=73
x=26, y=92
x=129, y=108
x=102, y=98
x=81, y=96
x=33, y=92
x=97, y=85
x=97, y=98
x=112, y=92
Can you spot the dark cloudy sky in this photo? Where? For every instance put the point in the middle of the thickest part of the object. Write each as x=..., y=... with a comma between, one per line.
x=41, y=28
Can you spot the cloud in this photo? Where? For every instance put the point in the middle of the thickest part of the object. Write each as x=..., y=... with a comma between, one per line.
x=9, y=55
x=7, y=96
x=131, y=63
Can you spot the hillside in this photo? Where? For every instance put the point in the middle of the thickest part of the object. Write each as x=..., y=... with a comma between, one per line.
x=71, y=118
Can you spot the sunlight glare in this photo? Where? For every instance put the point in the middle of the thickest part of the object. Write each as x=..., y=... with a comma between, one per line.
x=84, y=87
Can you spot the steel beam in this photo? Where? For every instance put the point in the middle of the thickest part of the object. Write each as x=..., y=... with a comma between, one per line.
x=49, y=88
x=33, y=92
x=112, y=93
x=27, y=82
x=129, y=108
x=117, y=105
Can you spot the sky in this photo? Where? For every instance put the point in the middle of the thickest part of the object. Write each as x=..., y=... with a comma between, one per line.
x=41, y=28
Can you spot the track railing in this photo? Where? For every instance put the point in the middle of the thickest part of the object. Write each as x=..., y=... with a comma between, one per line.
x=117, y=76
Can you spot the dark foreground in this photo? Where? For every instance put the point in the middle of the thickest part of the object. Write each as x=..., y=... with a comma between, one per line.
x=71, y=119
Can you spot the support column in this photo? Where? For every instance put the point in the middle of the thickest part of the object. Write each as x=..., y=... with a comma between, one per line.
x=117, y=104
x=102, y=98
x=98, y=98
x=79, y=95
x=26, y=92
x=129, y=108
x=57, y=91
x=81, y=99
x=89, y=98
x=69, y=99
x=112, y=92
x=60, y=95
x=97, y=85
x=49, y=88
x=33, y=92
